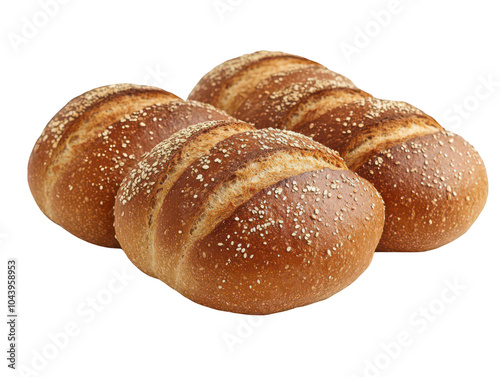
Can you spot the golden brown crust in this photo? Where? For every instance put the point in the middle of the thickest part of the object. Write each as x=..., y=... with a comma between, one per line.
x=260, y=260
x=195, y=187
x=361, y=129
x=274, y=99
x=232, y=171
x=434, y=187
x=213, y=87
x=83, y=118
x=75, y=181
x=145, y=187
x=305, y=99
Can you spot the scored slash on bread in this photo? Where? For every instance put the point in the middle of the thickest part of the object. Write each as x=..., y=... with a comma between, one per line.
x=275, y=89
x=245, y=220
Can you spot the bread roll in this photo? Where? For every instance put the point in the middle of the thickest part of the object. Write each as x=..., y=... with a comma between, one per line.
x=433, y=182
x=82, y=155
x=245, y=220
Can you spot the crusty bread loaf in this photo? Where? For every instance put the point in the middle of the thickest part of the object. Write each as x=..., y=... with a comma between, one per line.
x=245, y=220
x=433, y=182
x=82, y=155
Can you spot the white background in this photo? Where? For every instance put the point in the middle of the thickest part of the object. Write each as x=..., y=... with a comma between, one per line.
x=432, y=54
